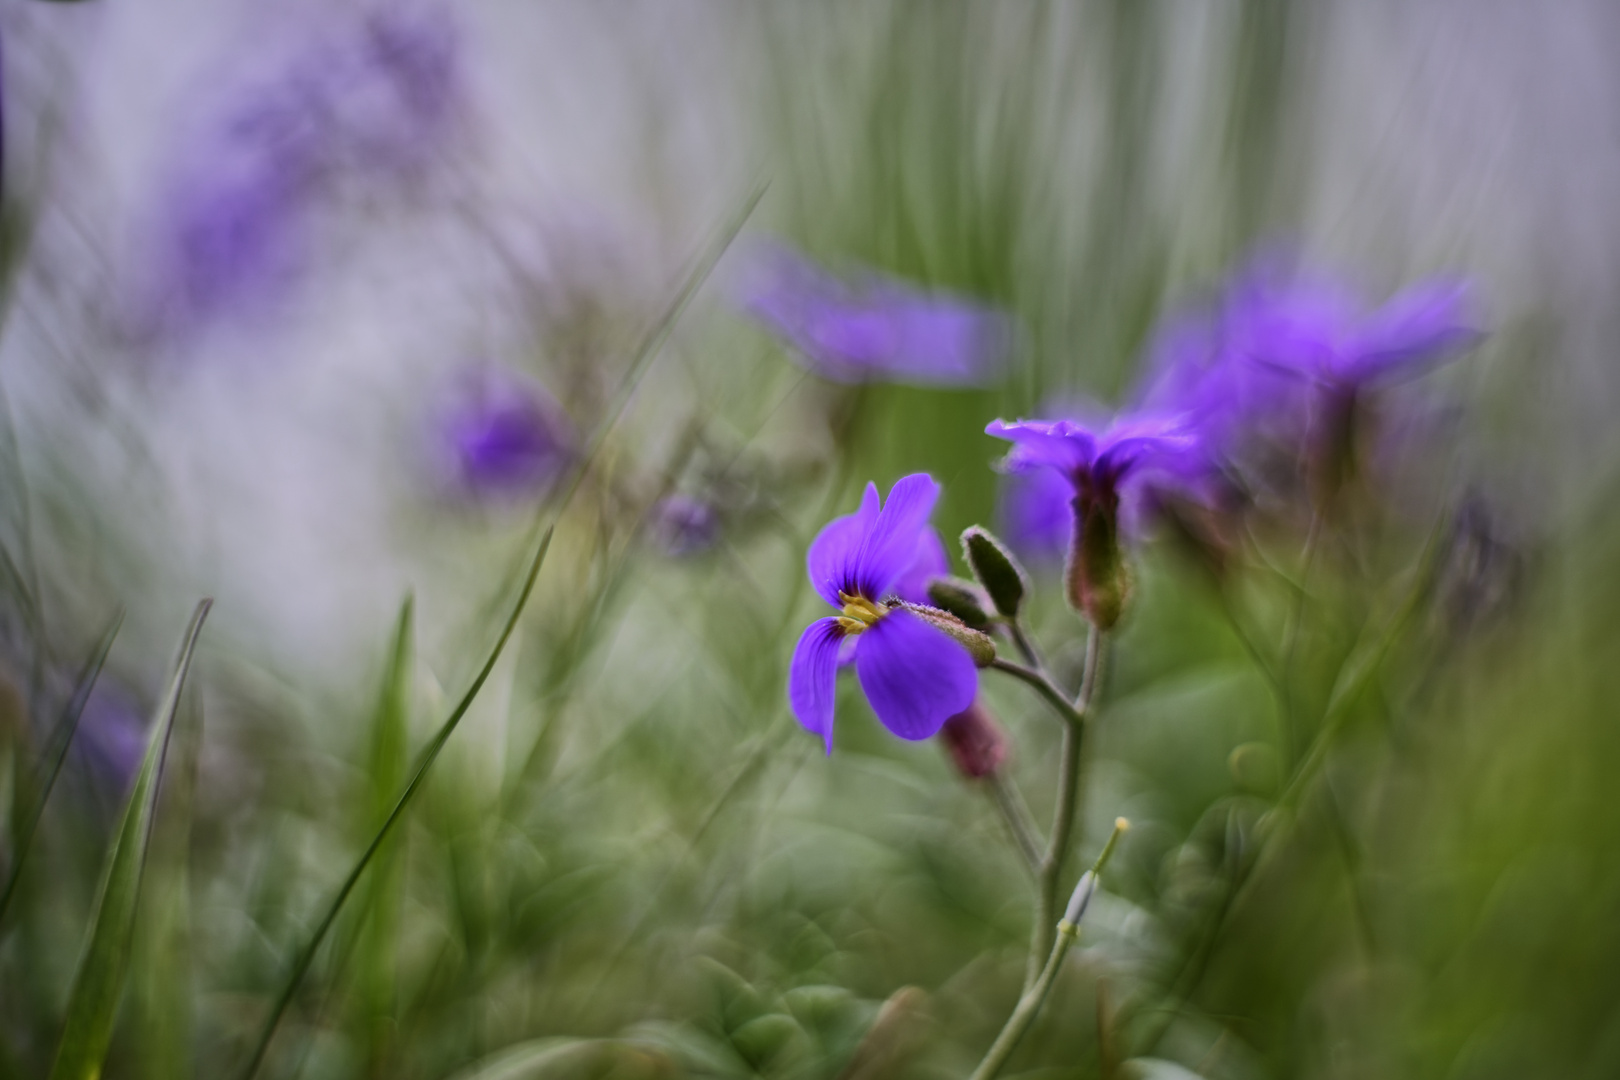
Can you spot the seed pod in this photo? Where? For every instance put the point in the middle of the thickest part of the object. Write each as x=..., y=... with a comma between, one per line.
x=961, y=598
x=996, y=570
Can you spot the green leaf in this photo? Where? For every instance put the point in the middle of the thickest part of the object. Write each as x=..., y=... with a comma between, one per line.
x=99, y=982
x=996, y=570
x=51, y=766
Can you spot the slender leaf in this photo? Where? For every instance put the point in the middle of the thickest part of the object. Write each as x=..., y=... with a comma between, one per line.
x=380, y=920
x=56, y=753
x=99, y=982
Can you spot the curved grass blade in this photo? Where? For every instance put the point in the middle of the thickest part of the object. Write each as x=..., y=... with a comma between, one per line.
x=56, y=753
x=99, y=982
x=306, y=956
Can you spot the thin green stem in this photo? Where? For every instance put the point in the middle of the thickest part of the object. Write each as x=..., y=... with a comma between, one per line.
x=1290, y=643
x=1043, y=685
x=1065, y=933
x=1020, y=823
x=1064, y=806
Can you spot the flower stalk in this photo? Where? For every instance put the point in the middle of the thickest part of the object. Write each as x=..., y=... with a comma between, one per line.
x=1065, y=934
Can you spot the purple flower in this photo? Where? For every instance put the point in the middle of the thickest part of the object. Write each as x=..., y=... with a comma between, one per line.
x=876, y=330
x=506, y=437
x=1096, y=467
x=1315, y=329
x=1034, y=514
x=240, y=212
x=914, y=674
x=682, y=525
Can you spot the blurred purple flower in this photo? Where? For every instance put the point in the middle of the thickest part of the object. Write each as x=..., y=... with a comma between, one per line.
x=395, y=98
x=111, y=738
x=683, y=526
x=1034, y=514
x=914, y=674
x=355, y=109
x=1316, y=329
x=878, y=330
x=506, y=437
x=1095, y=465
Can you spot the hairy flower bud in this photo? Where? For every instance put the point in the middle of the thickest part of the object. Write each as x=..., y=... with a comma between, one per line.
x=996, y=570
x=979, y=646
x=975, y=740
x=961, y=598
x=1098, y=577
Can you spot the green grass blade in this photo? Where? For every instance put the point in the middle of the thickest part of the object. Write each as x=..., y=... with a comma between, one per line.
x=306, y=956
x=99, y=982
x=55, y=754
x=379, y=919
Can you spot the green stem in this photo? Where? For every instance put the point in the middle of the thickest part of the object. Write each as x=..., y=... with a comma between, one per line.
x=1065, y=933
x=1050, y=871
x=1044, y=686
x=1017, y=816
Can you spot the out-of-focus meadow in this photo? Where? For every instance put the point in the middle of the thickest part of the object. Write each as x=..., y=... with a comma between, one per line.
x=330, y=311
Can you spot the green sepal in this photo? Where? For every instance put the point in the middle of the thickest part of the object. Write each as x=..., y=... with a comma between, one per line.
x=961, y=598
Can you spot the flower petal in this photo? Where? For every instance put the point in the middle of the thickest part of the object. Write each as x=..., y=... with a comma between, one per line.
x=813, y=677
x=879, y=328
x=930, y=562
x=1421, y=325
x=891, y=545
x=1036, y=514
x=915, y=676
x=834, y=554
x=1061, y=444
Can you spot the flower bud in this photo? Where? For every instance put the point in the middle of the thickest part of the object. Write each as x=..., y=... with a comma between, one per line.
x=979, y=646
x=961, y=598
x=996, y=570
x=1098, y=577
x=976, y=742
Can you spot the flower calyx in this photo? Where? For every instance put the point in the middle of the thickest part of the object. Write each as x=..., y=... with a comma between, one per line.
x=978, y=645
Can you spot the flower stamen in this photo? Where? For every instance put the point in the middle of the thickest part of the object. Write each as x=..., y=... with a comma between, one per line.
x=859, y=613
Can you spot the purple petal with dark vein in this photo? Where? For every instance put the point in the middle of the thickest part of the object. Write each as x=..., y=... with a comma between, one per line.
x=813, y=677
x=891, y=546
x=833, y=556
x=915, y=676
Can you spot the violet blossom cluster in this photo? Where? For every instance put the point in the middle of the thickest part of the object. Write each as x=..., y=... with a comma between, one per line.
x=1284, y=359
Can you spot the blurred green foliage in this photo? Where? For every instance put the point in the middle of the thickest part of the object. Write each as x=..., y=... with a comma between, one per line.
x=630, y=862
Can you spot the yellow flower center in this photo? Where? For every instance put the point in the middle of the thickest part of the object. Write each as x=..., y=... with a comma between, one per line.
x=859, y=613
